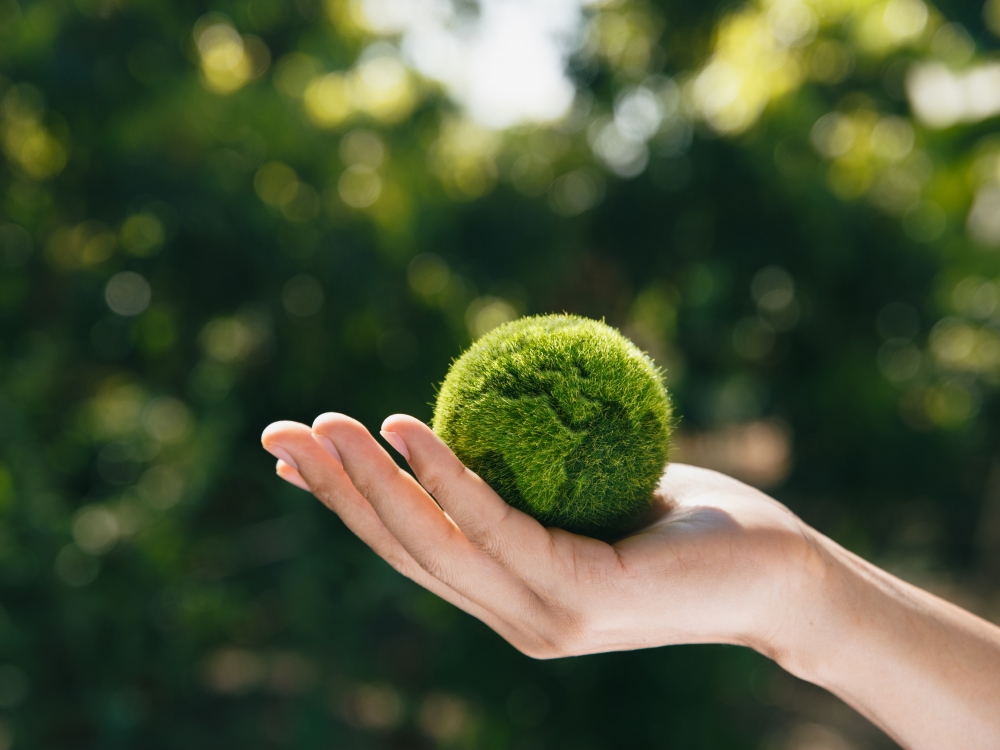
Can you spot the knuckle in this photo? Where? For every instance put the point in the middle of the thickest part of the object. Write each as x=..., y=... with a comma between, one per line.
x=324, y=491
x=364, y=486
x=407, y=566
x=435, y=567
x=437, y=479
x=490, y=542
x=375, y=480
x=432, y=482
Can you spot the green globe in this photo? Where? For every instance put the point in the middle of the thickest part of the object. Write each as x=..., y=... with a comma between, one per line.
x=564, y=417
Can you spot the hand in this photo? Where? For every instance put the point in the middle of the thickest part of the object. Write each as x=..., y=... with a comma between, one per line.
x=717, y=561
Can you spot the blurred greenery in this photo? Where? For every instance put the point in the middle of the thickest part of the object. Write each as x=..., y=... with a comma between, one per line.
x=218, y=216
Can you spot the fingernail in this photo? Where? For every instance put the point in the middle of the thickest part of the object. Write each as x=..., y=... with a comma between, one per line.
x=328, y=446
x=278, y=452
x=293, y=477
x=393, y=439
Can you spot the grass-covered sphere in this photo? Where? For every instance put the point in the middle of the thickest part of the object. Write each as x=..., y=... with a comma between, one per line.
x=564, y=417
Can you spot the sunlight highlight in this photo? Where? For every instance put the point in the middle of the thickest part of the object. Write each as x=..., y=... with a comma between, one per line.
x=505, y=66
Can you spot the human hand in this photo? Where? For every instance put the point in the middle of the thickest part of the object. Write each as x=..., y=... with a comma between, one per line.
x=716, y=561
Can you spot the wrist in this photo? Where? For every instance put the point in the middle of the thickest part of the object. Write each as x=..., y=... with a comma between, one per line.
x=819, y=587
x=919, y=667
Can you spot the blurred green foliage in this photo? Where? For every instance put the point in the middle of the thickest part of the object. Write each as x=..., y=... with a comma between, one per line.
x=215, y=217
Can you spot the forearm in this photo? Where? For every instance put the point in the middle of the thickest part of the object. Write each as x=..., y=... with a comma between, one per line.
x=924, y=670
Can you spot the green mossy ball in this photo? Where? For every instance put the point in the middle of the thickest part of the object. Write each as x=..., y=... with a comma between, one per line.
x=564, y=417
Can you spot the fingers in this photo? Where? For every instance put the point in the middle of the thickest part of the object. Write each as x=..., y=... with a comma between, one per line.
x=513, y=538
x=329, y=482
x=389, y=511
x=548, y=561
x=410, y=515
x=291, y=475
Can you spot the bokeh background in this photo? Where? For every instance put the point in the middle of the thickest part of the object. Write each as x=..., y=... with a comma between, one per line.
x=213, y=216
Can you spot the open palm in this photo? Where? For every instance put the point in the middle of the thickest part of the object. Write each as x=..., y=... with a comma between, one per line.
x=701, y=570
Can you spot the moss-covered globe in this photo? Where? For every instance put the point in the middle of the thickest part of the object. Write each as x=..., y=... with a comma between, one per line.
x=564, y=417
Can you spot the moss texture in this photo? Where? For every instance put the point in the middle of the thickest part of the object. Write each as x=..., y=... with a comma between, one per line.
x=564, y=417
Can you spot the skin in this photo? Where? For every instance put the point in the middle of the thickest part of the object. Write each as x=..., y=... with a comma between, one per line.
x=717, y=561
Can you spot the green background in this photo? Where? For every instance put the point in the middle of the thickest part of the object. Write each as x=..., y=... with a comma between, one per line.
x=160, y=587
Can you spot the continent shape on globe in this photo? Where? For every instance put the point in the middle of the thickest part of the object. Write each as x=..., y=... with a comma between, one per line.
x=564, y=417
